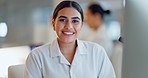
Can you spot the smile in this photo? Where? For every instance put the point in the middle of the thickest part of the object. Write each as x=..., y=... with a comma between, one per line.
x=68, y=33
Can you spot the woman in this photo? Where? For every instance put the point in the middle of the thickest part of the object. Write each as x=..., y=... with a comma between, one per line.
x=95, y=20
x=68, y=57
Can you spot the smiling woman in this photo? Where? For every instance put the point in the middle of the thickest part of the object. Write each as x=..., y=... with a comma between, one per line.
x=67, y=56
x=67, y=25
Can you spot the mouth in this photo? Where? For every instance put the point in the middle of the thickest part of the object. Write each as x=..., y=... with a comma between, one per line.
x=68, y=32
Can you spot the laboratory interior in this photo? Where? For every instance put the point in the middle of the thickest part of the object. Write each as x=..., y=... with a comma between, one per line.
x=27, y=24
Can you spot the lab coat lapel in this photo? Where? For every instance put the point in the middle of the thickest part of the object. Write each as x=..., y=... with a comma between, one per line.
x=80, y=51
x=55, y=52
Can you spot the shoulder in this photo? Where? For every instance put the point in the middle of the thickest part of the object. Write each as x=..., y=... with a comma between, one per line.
x=41, y=50
x=94, y=50
x=92, y=47
x=88, y=44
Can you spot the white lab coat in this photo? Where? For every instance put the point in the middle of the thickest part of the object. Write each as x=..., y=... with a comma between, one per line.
x=90, y=61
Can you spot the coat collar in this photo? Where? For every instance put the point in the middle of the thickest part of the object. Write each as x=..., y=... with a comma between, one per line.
x=55, y=50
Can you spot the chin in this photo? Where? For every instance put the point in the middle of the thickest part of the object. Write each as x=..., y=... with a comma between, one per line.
x=69, y=40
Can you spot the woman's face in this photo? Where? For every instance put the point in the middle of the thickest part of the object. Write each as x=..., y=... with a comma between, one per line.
x=92, y=19
x=67, y=24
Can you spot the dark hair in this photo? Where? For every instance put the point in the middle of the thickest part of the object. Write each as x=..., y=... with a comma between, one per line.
x=96, y=8
x=64, y=4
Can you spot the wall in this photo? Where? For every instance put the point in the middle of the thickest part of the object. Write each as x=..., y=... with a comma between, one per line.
x=135, y=55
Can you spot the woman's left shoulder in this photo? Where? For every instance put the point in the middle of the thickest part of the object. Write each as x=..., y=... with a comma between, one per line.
x=93, y=49
x=91, y=45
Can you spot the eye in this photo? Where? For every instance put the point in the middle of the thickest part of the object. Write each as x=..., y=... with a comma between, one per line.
x=75, y=21
x=62, y=20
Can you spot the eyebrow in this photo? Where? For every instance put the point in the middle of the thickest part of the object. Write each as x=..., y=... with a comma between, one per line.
x=75, y=18
x=72, y=17
x=62, y=17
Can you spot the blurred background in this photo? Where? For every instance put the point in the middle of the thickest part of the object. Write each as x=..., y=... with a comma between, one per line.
x=28, y=22
x=25, y=24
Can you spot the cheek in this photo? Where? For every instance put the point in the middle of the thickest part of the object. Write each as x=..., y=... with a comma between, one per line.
x=57, y=26
x=89, y=19
x=57, y=29
x=78, y=29
x=89, y=22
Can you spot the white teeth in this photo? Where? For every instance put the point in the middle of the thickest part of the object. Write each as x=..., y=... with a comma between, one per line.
x=69, y=33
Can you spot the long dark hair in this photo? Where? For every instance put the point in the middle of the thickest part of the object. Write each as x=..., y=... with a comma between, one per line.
x=96, y=8
x=64, y=4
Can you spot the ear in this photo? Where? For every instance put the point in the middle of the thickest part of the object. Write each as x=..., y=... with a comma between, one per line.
x=53, y=24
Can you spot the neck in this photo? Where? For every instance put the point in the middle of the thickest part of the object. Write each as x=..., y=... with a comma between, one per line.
x=68, y=50
x=67, y=47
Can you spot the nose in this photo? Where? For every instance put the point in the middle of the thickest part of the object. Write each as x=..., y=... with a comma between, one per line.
x=68, y=25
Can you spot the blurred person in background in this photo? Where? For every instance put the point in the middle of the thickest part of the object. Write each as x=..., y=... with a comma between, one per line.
x=95, y=20
x=67, y=56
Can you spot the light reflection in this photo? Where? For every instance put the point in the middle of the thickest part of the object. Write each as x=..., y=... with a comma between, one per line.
x=3, y=29
x=12, y=56
x=114, y=30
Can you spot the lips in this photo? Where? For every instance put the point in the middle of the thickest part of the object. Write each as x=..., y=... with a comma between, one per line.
x=67, y=32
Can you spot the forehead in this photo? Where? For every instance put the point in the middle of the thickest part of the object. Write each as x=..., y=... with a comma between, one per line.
x=69, y=12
